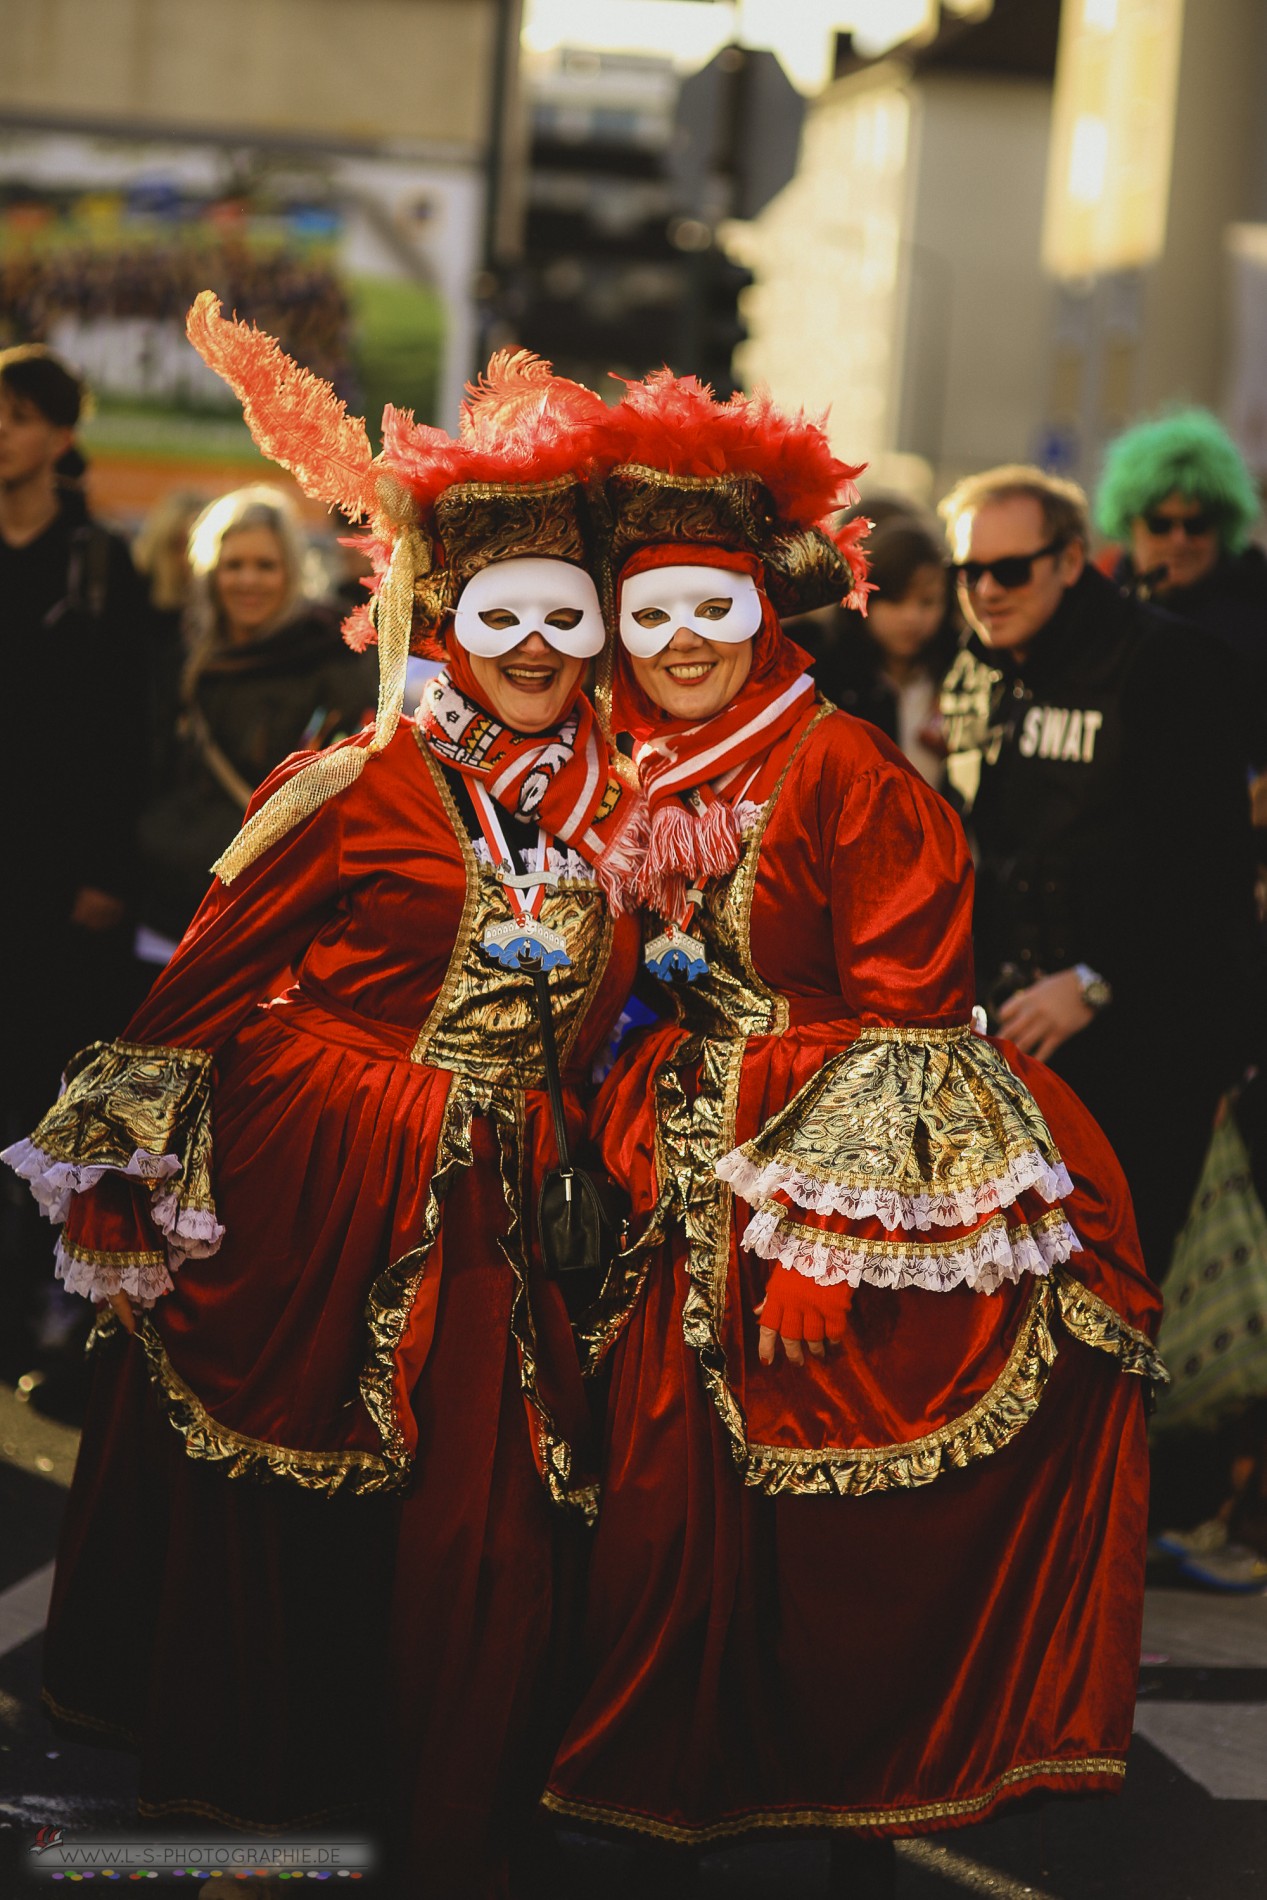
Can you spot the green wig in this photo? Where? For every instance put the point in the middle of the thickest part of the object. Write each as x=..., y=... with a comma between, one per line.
x=1188, y=451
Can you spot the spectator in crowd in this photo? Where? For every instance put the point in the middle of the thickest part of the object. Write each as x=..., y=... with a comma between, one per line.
x=71, y=609
x=1178, y=498
x=267, y=674
x=1113, y=927
x=161, y=554
x=887, y=666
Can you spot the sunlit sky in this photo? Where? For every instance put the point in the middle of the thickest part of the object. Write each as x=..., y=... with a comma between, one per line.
x=801, y=32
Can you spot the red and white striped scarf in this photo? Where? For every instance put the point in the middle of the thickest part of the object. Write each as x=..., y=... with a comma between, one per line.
x=692, y=773
x=560, y=780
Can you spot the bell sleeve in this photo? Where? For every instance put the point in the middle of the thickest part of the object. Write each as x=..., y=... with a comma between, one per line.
x=916, y=1157
x=123, y=1160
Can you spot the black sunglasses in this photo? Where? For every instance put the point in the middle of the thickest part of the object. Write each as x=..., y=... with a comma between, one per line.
x=1010, y=571
x=1162, y=525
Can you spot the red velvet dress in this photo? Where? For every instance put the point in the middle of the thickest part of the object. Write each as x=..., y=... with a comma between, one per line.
x=898, y=1586
x=328, y=1122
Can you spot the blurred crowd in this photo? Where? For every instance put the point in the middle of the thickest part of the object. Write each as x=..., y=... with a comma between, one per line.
x=1094, y=704
x=291, y=296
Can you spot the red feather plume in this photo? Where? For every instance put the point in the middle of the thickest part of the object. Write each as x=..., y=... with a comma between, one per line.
x=520, y=423
x=294, y=417
x=675, y=423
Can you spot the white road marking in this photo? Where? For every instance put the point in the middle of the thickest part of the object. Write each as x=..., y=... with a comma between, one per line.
x=1200, y=1631
x=1222, y=1745
x=24, y=1608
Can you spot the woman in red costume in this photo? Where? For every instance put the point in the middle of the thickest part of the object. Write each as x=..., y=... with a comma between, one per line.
x=304, y=1183
x=870, y=1551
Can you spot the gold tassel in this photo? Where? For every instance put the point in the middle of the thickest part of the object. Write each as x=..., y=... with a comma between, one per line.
x=411, y=556
x=333, y=772
x=295, y=800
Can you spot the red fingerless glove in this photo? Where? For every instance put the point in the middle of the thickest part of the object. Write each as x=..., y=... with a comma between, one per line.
x=798, y=1308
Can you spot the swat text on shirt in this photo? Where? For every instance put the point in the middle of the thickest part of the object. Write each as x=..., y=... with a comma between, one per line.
x=1059, y=732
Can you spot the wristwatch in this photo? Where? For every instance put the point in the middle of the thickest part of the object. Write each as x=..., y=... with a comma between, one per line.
x=1096, y=992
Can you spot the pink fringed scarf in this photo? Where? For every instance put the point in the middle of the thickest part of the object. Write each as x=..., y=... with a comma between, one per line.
x=692, y=774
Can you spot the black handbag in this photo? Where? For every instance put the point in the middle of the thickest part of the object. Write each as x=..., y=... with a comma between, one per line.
x=580, y=1223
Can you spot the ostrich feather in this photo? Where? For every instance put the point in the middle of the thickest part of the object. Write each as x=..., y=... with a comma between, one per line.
x=294, y=417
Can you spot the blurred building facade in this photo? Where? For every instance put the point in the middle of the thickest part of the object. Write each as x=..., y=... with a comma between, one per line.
x=1016, y=233
x=340, y=174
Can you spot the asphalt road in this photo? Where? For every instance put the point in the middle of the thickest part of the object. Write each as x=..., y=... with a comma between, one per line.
x=1190, y=1825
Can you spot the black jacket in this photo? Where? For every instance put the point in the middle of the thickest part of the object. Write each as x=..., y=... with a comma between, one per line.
x=1231, y=604
x=72, y=647
x=251, y=706
x=1110, y=819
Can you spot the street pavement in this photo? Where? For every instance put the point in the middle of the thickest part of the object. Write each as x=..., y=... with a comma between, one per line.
x=1191, y=1823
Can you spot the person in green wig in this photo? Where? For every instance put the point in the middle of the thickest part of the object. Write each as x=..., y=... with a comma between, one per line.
x=1178, y=498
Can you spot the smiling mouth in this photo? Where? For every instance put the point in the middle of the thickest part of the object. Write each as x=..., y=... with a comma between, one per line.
x=531, y=677
x=687, y=672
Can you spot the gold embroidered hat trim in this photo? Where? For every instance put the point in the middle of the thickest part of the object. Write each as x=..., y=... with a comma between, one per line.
x=896, y=1819
x=646, y=506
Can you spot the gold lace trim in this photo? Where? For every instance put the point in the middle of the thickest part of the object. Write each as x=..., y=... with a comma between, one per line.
x=388, y=1307
x=102, y=1257
x=154, y=1810
x=470, y=907
x=765, y=1819
x=74, y=1718
x=1020, y=1231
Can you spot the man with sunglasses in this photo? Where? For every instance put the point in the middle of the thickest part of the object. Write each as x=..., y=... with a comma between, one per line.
x=1087, y=734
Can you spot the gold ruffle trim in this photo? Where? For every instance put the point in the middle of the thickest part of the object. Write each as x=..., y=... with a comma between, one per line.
x=122, y=1100
x=1092, y=1320
x=388, y=1308
x=994, y=1421
x=998, y=1416
x=206, y=1439
x=919, y=1114
x=925, y=1814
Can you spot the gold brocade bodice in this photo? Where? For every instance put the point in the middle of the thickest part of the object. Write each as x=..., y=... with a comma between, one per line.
x=729, y=1000
x=483, y=1024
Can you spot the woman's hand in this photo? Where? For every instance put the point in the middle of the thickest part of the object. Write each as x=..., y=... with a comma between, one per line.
x=801, y=1313
x=121, y=1306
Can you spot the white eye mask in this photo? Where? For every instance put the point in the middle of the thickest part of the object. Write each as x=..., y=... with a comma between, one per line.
x=678, y=593
x=531, y=590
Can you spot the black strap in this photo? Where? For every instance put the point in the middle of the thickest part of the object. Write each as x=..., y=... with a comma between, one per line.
x=545, y=1015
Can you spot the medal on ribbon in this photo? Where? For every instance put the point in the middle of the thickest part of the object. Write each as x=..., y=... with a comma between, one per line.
x=523, y=942
x=674, y=956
